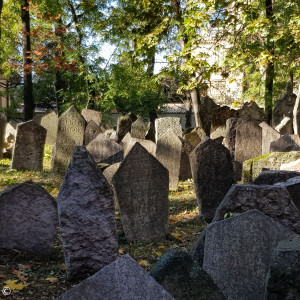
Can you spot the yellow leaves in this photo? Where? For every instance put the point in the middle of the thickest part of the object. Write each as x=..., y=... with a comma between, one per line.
x=177, y=235
x=14, y=285
x=161, y=247
x=122, y=251
x=143, y=262
x=158, y=253
x=51, y=279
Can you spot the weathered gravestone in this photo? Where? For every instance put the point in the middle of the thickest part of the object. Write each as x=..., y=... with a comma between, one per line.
x=237, y=253
x=3, y=122
x=212, y=174
x=29, y=147
x=285, y=126
x=251, y=111
x=274, y=176
x=110, y=171
x=220, y=115
x=138, y=129
x=141, y=184
x=195, y=136
x=248, y=141
x=123, y=279
x=163, y=124
x=185, y=171
x=104, y=149
x=230, y=134
x=183, y=278
x=28, y=219
x=168, y=152
x=92, y=130
x=50, y=122
x=124, y=125
x=284, y=275
x=70, y=133
x=269, y=135
x=207, y=105
x=284, y=144
x=291, y=166
x=86, y=217
x=274, y=201
x=92, y=115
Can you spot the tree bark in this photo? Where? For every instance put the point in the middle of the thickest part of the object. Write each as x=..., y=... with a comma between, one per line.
x=27, y=63
x=296, y=117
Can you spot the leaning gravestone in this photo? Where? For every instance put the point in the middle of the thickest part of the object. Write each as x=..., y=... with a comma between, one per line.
x=70, y=133
x=92, y=130
x=185, y=171
x=195, y=136
x=50, y=122
x=248, y=141
x=110, y=171
x=285, y=126
x=284, y=144
x=274, y=201
x=220, y=115
x=251, y=111
x=207, y=105
x=163, y=124
x=29, y=147
x=86, y=217
x=28, y=219
x=237, y=253
x=274, y=176
x=3, y=122
x=213, y=175
x=269, y=135
x=138, y=129
x=92, y=115
x=168, y=152
x=122, y=279
x=141, y=184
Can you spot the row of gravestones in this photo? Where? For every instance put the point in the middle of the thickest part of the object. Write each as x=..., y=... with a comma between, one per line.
x=87, y=225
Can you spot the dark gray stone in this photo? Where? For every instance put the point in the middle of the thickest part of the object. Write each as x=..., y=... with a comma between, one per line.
x=92, y=130
x=123, y=279
x=230, y=134
x=274, y=176
x=141, y=185
x=213, y=175
x=237, y=253
x=124, y=126
x=269, y=135
x=283, y=280
x=185, y=171
x=176, y=272
x=207, y=105
x=274, y=201
x=3, y=122
x=28, y=219
x=197, y=250
x=115, y=158
x=86, y=217
x=220, y=115
x=163, y=124
x=92, y=115
x=29, y=147
x=284, y=144
x=138, y=129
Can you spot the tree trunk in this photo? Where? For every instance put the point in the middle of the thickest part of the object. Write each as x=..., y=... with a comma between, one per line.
x=188, y=114
x=1, y=6
x=195, y=102
x=27, y=63
x=296, y=112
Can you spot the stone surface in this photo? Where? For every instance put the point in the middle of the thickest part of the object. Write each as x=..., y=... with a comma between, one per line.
x=212, y=174
x=3, y=122
x=124, y=126
x=284, y=144
x=237, y=253
x=274, y=176
x=291, y=166
x=230, y=134
x=92, y=130
x=176, y=272
x=284, y=275
x=49, y=122
x=274, y=201
x=168, y=152
x=70, y=133
x=219, y=133
x=163, y=124
x=207, y=105
x=86, y=217
x=193, y=138
x=141, y=184
x=251, y=111
x=197, y=250
x=92, y=115
x=269, y=135
x=220, y=115
x=138, y=129
x=248, y=141
x=123, y=279
x=29, y=147
x=285, y=126
x=185, y=171
x=28, y=219
x=102, y=147
x=110, y=171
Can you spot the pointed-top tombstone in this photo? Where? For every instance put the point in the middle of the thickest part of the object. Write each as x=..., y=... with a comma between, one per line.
x=269, y=134
x=50, y=122
x=91, y=132
x=141, y=185
x=163, y=124
x=284, y=144
x=90, y=114
x=138, y=129
x=86, y=217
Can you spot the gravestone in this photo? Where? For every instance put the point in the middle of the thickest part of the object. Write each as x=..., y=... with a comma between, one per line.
x=251, y=111
x=284, y=144
x=3, y=122
x=102, y=148
x=237, y=253
x=207, y=105
x=138, y=129
x=285, y=126
x=122, y=279
x=92, y=115
x=50, y=122
x=220, y=115
x=269, y=135
x=168, y=152
x=28, y=219
x=110, y=171
x=86, y=217
x=141, y=185
x=291, y=166
x=248, y=141
x=195, y=136
x=219, y=134
x=197, y=250
x=92, y=130
x=29, y=147
x=150, y=135
x=163, y=124
x=274, y=176
x=273, y=201
x=124, y=125
x=185, y=171
x=70, y=133
x=213, y=175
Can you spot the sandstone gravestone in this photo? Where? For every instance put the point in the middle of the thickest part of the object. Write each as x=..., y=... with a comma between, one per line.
x=274, y=201
x=274, y=176
x=168, y=152
x=230, y=134
x=285, y=126
x=269, y=135
x=195, y=136
x=284, y=144
x=138, y=129
x=220, y=115
x=110, y=171
x=212, y=174
x=141, y=184
x=92, y=115
x=251, y=111
x=70, y=133
x=237, y=253
x=122, y=279
x=185, y=171
x=29, y=147
x=102, y=148
x=92, y=130
x=291, y=166
x=207, y=105
x=28, y=219
x=3, y=122
x=86, y=217
x=163, y=124
x=248, y=141
x=50, y=122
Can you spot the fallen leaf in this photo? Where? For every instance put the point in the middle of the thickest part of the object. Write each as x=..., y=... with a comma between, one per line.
x=63, y=266
x=143, y=262
x=51, y=279
x=158, y=253
x=161, y=247
x=122, y=251
x=13, y=285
